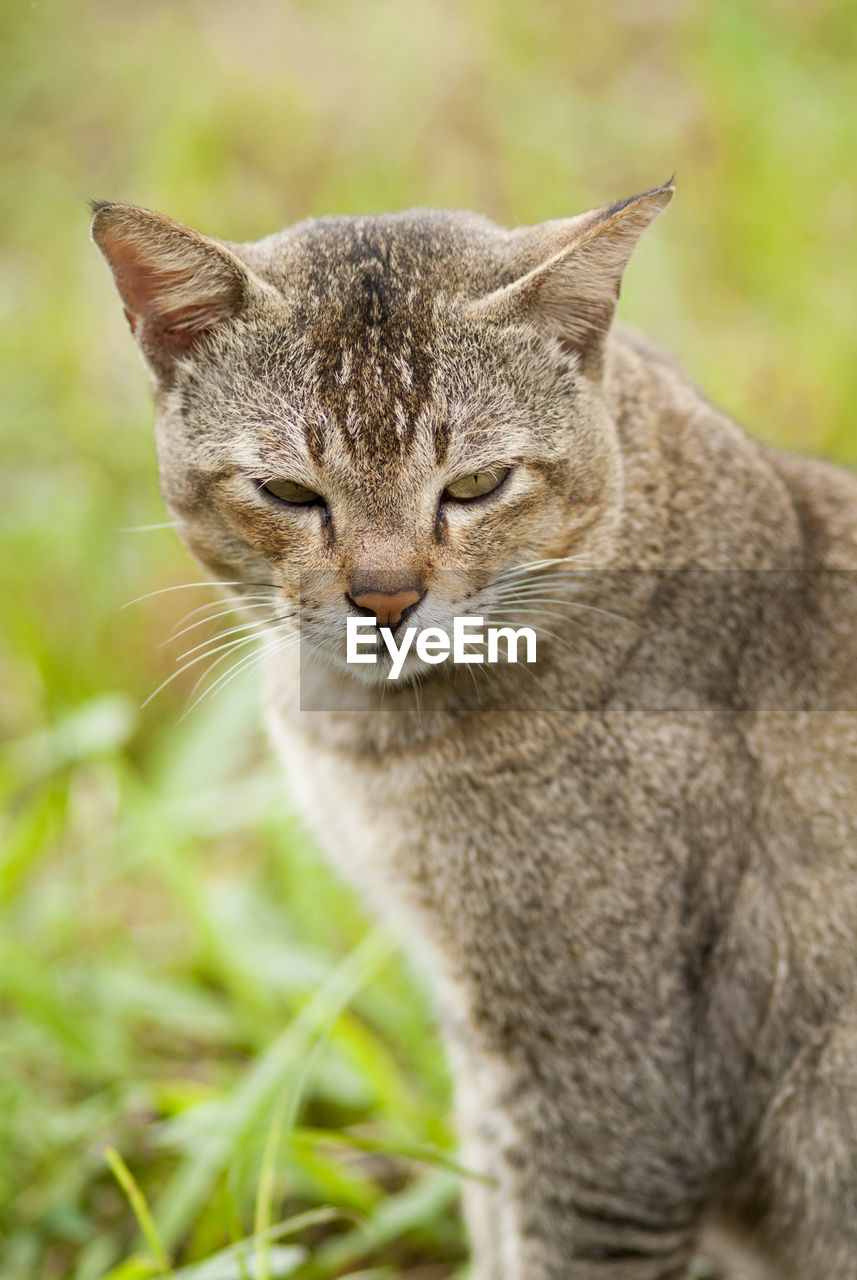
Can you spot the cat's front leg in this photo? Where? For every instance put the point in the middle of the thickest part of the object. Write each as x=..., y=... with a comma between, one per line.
x=557, y=1238
x=552, y=1228
x=481, y=1143
x=484, y=1210
x=552, y=1209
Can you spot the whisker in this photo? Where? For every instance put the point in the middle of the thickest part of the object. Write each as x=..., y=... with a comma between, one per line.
x=229, y=610
x=248, y=662
x=547, y=576
x=210, y=649
x=560, y=581
x=242, y=662
x=257, y=627
x=314, y=648
x=225, y=607
x=539, y=613
x=234, y=670
x=220, y=635
x=147, y=528
x=545, y=631
x=536, y=564
x=540, y=564
x=192, y=663
x=531, y=593
x=571, y=604
x=475, y=684
x=209, y=671
x=568, y=577
x=186, y=586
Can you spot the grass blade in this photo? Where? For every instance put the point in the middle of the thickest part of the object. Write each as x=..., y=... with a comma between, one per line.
x=142, y=1213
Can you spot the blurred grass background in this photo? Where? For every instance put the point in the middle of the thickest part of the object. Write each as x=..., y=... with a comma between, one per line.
x=180, y=976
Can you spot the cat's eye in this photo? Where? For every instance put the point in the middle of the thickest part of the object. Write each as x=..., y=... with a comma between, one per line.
x=297, y=495
x=476, y=484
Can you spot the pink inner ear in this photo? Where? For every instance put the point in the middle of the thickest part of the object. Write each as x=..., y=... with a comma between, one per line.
x=175, y=291
x=177, y=285
x=137, y=280
x=165, y=298
x=144, y=286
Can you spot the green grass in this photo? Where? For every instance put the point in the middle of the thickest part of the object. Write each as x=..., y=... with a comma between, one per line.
x=203, y=1038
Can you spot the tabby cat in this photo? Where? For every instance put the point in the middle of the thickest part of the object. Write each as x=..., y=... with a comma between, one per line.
x=630, y=866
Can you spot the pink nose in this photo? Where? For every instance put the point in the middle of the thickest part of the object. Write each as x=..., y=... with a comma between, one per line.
x=387, y=609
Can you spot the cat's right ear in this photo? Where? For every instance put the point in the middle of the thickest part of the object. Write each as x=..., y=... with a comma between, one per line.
x=177, y=286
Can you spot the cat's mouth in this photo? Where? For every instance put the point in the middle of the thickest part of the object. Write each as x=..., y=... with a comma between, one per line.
x=423, y=645
x=368, y=649
x=381, y=655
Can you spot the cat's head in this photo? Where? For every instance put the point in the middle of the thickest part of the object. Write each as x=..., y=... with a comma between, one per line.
x=382, y=414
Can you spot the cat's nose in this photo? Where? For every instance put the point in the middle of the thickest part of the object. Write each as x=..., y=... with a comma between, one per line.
x=388, y=609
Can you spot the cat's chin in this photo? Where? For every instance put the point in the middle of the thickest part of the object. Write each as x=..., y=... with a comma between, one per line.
x=329, y=683
x=378, y=675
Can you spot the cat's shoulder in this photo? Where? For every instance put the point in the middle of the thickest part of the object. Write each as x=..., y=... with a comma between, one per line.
x=700, y=446
x=825, y=498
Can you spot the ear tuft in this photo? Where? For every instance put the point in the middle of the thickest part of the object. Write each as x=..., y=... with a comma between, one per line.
x=572, y=272
x=177, y=285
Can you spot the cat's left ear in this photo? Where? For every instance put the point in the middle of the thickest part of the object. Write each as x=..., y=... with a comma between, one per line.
x=177, y=285
x=571, y=273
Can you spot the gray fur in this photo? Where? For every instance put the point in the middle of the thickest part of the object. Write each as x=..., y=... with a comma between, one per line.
x=632, y=873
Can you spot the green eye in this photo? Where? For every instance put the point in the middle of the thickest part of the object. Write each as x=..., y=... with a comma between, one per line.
x=476, y=484
x=292, y=492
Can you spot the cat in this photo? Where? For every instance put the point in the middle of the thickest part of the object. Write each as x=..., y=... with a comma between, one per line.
x=631, y=867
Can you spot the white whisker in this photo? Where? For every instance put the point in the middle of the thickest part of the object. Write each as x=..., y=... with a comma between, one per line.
x=513, y=599
x=257, y=626
x=539, y=613
x=247, y=663
x=242, y=660
x=539, y=564
x=210, y=649
x=200, y=657
x=186, y=586
x=253, y=627
x=147, y=528
x=545, y=631
x=475, y=684
x=565, y=577
x=225, y=607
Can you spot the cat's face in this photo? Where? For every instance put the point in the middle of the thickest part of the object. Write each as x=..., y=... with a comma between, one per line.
x=381, y=415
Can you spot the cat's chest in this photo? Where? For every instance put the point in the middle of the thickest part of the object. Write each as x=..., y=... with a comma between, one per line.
x=539, y=841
